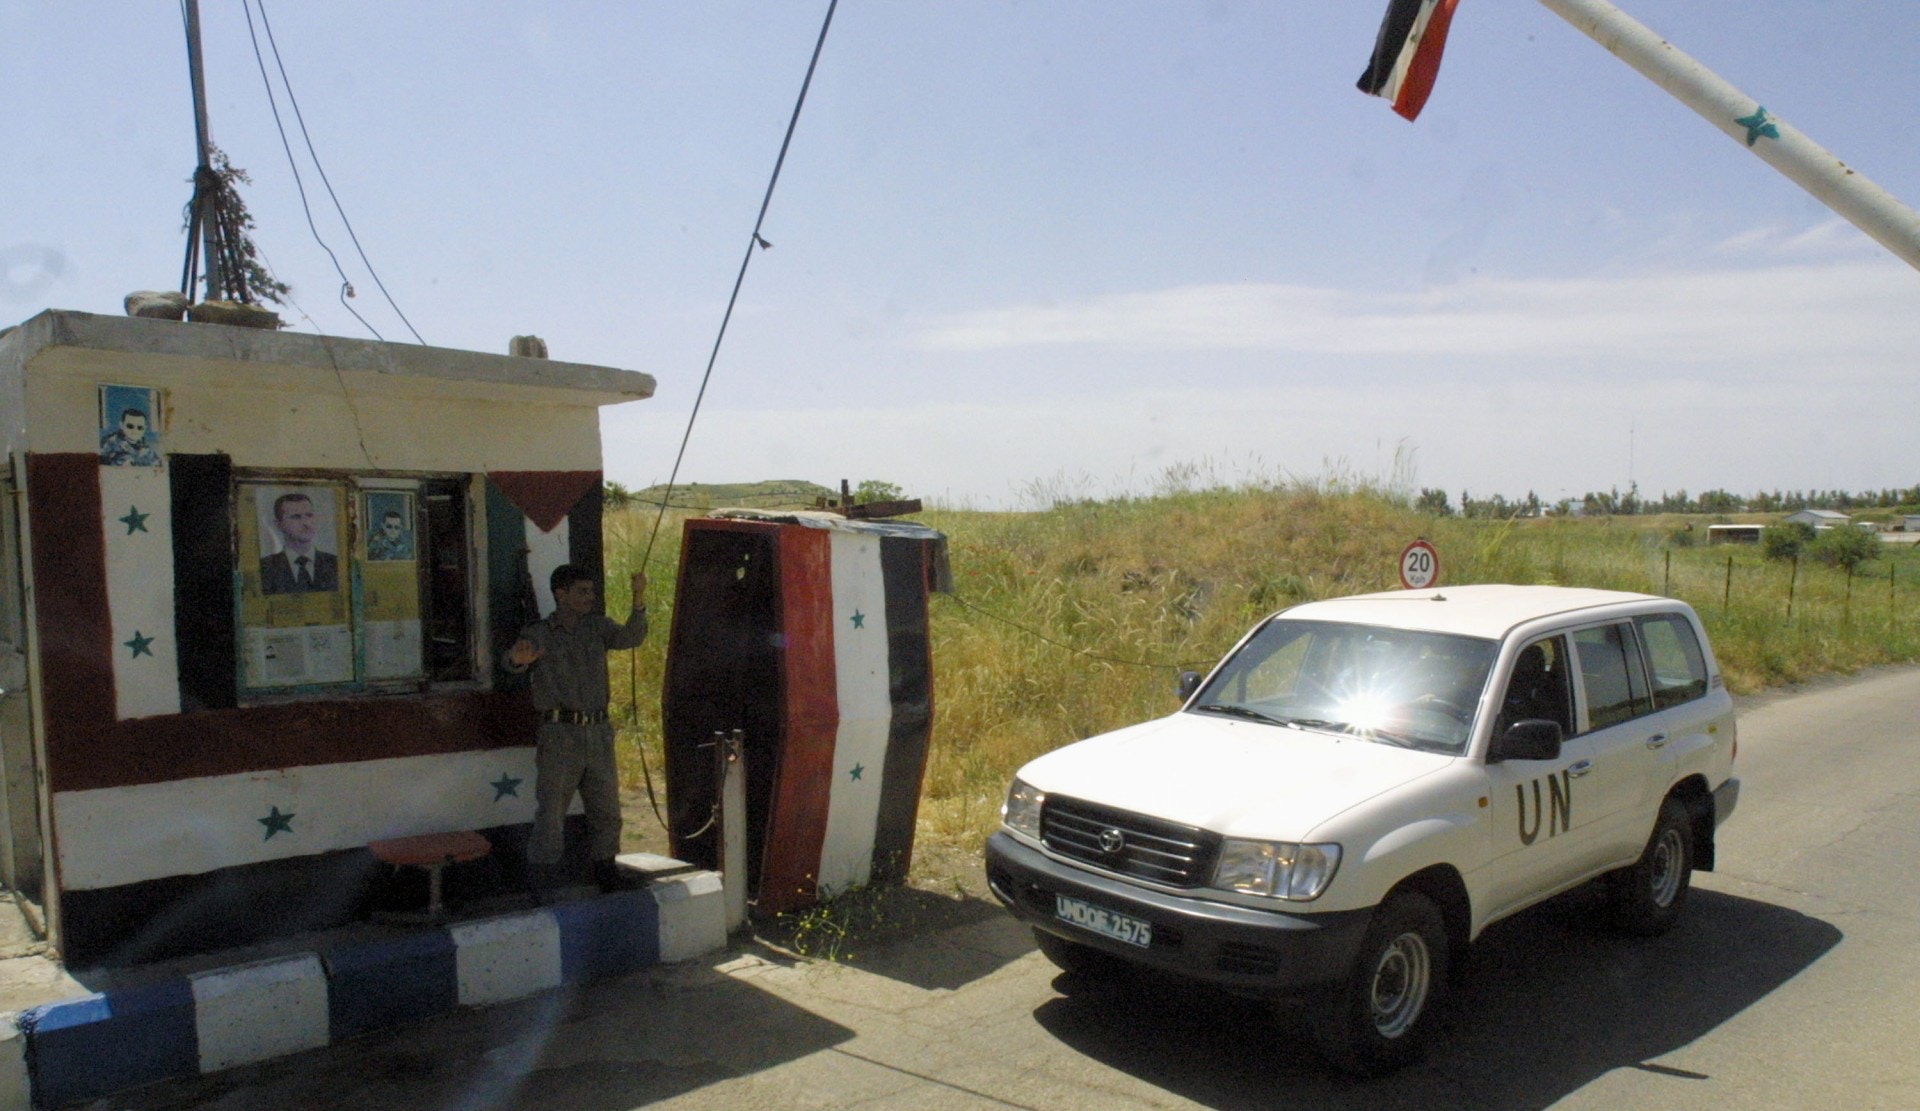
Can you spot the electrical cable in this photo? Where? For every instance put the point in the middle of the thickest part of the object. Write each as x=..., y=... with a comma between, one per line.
x=756, y=241
x=346, y=284
x=322, y=170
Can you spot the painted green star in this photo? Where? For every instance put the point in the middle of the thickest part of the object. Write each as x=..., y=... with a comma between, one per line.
x=504, y=786
x=857, y=769
x=276, y=822
x=859, y=620
x=135, y=520
x=141, y=645
x=1758, y=124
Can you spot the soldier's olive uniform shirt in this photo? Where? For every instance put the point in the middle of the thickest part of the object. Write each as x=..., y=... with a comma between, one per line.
x=571, y=673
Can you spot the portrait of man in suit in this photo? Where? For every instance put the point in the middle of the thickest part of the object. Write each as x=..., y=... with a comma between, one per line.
x=300, y=566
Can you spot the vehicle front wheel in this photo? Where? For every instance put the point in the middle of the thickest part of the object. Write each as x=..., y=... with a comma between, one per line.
x=1649, y=894
x=1073, y=957
x=1374, y=1021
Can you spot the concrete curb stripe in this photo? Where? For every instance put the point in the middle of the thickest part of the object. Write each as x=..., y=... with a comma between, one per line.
x=254, y=1012
x=607, y=937
x=16, y=1092
x=692, y=911
x=506, y=958
x=390, y=983
x=95, y=1045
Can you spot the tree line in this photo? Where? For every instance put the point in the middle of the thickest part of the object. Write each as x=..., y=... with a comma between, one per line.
x=1631, y=502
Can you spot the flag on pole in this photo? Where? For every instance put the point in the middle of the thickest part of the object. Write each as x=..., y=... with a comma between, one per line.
x=1406, y=57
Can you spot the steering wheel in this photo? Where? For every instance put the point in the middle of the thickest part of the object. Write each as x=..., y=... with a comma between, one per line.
x=1451, y=709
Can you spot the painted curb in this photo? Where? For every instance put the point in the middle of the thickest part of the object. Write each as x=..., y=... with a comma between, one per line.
x=95, y=1045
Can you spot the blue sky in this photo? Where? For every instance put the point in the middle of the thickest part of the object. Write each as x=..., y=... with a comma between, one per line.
x=1026, y=247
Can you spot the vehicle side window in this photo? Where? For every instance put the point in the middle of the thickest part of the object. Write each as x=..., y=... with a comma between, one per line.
x=1679, y=667
x=1538, y=687
x=1611, y=675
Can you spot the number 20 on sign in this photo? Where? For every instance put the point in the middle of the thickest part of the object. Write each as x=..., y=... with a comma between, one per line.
x=1419, y=566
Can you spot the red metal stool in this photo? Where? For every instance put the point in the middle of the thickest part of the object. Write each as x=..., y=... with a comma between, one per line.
x=433, y=852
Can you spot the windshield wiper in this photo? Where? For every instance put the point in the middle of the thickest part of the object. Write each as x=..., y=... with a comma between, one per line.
x=1318, y=723
x=1232, y=710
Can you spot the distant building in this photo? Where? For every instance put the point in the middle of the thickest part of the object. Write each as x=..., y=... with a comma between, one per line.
x=1819, y=518
x=1734, y=534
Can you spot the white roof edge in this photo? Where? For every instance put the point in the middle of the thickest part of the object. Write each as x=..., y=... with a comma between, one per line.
x=58, y=328
x=1486, y=610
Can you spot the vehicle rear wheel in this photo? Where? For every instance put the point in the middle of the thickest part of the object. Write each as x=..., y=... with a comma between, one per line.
x=1374, y=1021
x=1649, y=894
x=1081, y=960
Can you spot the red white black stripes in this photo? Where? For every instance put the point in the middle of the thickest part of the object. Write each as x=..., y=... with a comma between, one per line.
x=1406, y=57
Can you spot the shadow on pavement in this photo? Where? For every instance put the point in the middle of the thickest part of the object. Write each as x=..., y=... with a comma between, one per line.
x=595, y=1048
x=1550, y=1001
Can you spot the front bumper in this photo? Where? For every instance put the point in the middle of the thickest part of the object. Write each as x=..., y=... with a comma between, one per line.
x=1242, y=949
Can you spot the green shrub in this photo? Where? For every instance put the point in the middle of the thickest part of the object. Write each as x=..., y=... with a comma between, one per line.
x=1846, y=547
x=1785, y=539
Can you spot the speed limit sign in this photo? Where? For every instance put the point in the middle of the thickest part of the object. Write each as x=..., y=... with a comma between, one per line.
x=1419, y=566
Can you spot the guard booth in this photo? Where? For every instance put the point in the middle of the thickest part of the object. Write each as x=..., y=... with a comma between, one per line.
x=253, y=587
x=807, y=632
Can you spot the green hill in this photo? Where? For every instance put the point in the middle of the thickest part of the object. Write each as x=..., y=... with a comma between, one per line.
x=773, y=493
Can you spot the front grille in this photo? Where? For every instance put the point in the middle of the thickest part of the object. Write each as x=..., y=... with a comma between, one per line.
x=1150, y=848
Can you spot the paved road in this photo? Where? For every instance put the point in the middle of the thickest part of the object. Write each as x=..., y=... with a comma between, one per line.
x=1794, y=982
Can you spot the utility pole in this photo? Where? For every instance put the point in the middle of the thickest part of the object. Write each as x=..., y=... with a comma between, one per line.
x=203, y=221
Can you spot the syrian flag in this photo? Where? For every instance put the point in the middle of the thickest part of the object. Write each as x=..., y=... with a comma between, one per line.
x=1406, y=58
x=859, y=715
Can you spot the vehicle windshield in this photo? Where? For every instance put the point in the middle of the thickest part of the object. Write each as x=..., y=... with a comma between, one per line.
x=1393, y=686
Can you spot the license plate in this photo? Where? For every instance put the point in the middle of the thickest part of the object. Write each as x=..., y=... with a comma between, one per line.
x=1102, y=921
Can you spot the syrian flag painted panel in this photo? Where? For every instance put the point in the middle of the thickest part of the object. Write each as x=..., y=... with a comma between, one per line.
x=546, y=550
x=1406, y=56
x=121, y=835
x=136, y=521
x=848, y=782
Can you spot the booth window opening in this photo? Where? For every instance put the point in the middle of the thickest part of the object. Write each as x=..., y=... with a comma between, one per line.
x=351, y=583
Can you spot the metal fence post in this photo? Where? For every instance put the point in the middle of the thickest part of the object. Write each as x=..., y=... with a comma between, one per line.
x=730, y=756
x=1726, y=598
x=1793, y=579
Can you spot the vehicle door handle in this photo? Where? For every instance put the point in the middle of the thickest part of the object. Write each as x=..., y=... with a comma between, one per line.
x=1656, y=740
x=1579, y=768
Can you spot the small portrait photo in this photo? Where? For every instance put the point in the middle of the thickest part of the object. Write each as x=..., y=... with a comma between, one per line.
x=299, y=527
x=129, y=426
x=389, y=525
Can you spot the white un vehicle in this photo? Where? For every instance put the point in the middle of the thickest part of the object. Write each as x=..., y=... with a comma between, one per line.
x=1364, y=784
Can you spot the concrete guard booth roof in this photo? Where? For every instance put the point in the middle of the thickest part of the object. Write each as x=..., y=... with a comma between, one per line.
x=202, y=730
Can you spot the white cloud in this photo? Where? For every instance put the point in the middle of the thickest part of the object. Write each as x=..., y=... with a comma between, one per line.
x=1848, y=307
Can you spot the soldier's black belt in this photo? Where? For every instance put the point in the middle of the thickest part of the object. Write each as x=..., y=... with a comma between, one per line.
x=574, y=717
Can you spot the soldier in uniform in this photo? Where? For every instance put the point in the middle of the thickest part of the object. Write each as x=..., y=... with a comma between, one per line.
x=567, y=655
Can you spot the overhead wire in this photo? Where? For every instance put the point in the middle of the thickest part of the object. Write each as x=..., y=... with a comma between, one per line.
x=755, y=242
x=346, y=284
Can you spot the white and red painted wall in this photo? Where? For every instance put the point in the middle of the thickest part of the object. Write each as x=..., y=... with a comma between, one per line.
x=183, y=804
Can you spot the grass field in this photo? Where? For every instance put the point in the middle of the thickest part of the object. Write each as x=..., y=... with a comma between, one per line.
x=1074, y=619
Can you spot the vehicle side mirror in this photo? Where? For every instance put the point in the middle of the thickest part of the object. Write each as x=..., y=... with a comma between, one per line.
x=1532, y=739
x=1188, y=682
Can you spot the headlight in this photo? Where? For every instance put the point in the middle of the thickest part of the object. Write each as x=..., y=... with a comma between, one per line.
x=1279, y=869
x=1021, y=811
